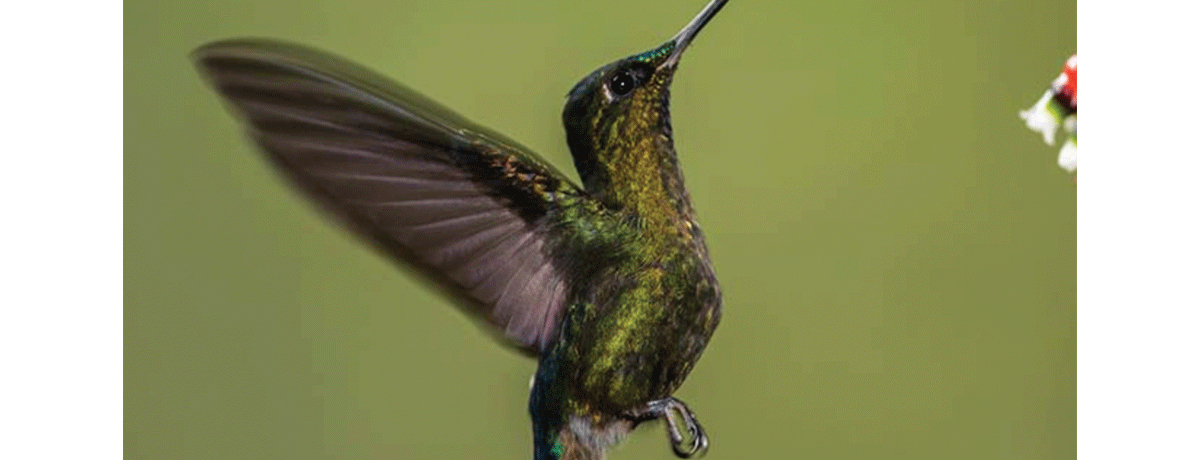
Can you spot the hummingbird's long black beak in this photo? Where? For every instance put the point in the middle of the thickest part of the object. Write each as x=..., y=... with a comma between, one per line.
x=685, y=36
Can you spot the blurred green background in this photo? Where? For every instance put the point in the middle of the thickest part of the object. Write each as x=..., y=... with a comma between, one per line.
x=896, y=249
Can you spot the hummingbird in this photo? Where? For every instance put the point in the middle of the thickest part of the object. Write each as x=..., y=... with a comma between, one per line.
x=608, y=284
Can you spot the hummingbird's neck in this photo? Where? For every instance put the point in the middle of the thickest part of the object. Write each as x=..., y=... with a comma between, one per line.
x=637, y=173
x=646, y=180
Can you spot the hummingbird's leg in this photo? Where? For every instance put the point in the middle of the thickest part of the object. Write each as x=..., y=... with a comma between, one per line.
x=671, y=409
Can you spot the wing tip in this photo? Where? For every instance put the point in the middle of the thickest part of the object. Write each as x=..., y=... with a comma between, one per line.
x=210, y=54
x=207, y=57
x=240, y=46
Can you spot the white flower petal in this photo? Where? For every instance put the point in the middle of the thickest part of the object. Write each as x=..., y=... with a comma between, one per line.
x=1039, y=118
x=1068, y=157
x=1071, y=124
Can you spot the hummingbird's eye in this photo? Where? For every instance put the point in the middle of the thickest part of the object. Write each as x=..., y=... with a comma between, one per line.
x=622, y=84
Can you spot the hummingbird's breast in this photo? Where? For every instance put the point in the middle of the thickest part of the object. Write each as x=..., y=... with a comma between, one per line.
x=651, y=316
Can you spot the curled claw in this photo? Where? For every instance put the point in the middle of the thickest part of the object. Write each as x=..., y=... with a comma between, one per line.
x=699, y=440
x=674, y=412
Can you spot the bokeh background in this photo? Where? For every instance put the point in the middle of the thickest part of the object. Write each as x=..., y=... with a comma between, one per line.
x=896, y=249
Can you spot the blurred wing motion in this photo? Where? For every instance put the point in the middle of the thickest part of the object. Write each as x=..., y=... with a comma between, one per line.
x=464, y=206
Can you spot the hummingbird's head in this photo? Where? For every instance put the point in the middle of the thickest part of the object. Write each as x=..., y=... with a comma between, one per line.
x=626, y=102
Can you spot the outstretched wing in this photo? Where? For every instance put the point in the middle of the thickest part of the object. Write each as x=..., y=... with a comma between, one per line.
x=462, y=205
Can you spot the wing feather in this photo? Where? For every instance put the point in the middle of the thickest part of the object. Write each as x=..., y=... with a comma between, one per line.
x=464, y=206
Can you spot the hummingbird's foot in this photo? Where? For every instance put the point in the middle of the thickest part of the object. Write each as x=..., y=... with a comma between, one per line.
x=674, y=412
